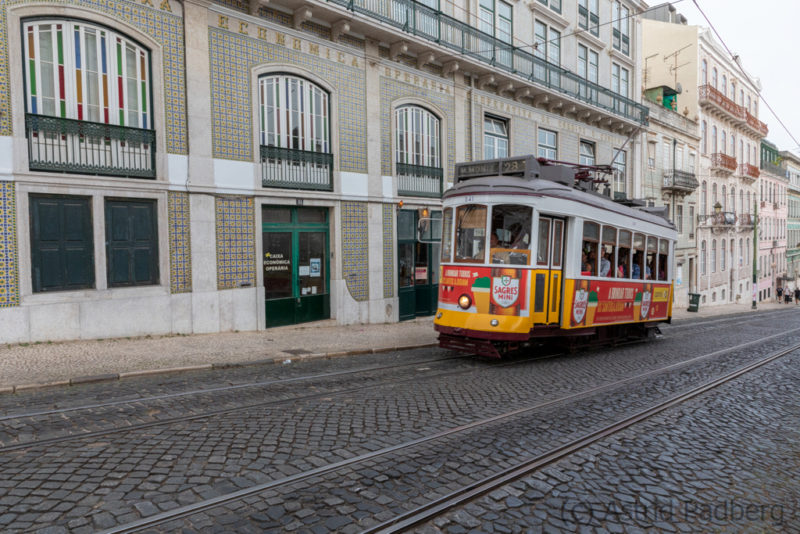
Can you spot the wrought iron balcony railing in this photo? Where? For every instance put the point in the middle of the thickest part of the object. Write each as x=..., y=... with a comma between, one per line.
x=419, y=181
x=772, y=168
x=68, y=145
x=749, y=171
x=756, y=124
x=723, y=162
x=680, y=181
x=431, y=24
x=296, y=169
x=746, y=219
x=724, y=218
x=708, y=93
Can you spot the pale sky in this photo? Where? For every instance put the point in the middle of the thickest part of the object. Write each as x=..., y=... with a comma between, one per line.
x=766, y=35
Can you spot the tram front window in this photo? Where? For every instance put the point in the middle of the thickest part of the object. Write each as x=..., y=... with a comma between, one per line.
x=510, y=241
x=471, y=233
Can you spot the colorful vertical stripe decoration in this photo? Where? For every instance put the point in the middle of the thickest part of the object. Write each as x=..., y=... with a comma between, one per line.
x=32, y=71
x=78, y=67
x=62, y=96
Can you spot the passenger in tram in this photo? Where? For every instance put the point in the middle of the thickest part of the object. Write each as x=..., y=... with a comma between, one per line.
x=586, y=267
x=605, y=265
x=636, y=270
x=622, y=268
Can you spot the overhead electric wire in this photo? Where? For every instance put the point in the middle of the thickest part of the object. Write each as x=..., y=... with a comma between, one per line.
x=744, y=73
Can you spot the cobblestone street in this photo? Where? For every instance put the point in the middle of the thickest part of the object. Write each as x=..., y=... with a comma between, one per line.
x=348, y=443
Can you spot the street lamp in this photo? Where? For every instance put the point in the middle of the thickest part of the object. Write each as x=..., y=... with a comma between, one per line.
x=717, y=208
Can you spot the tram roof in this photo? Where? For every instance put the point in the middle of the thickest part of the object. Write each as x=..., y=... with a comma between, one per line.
x=526, y=184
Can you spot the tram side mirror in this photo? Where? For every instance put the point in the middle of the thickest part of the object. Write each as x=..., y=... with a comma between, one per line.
x=429, y=230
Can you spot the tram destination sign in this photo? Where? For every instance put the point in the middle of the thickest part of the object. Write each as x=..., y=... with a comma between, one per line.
x=522, y=166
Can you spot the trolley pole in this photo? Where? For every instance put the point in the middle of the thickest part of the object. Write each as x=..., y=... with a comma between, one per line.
x=755, y=254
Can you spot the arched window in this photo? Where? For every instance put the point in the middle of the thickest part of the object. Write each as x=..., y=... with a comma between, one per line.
x=722, y=255
x=704, y=71
x=733, y=145
x=78, y=70
x=703, y=257
x=704, y=198
x=741, y=201
x=747, y=251
x=748, y=201
x=724, y=89
x=733, y=91
x=417, y=131
x=714, y=256
x=724, y=198
x=741, y=97
x=294, y=114
x=741, y=148
x=704, y=137
x=741, y=252
x=723, y=142
x=714, y=77
x=714, y=139
x=713, y=195
x=732, y=205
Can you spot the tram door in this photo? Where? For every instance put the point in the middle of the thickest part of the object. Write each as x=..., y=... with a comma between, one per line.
x=548, y=271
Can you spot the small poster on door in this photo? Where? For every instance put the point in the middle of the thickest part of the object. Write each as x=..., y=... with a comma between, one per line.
x=316, y=266
x=421, y=273
x=304, y=270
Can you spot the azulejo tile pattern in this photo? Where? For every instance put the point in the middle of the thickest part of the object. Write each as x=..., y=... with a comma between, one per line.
x=388, y=250
x=232, y=58
x=236, y=249
x=180, y=248
x=9, y=274
x=355, y=244
x=391, y=90
x=164, y=27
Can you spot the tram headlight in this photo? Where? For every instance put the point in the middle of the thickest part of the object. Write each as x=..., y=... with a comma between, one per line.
x=464, y=301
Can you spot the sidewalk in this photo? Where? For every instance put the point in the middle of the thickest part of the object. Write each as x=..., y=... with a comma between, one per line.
x=37, y=365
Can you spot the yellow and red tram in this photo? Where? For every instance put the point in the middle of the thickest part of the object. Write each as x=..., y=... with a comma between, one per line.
x=531, y=250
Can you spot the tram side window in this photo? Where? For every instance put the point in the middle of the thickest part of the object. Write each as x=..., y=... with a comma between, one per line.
x=471, y=233
x=510, y=239
x=591, y=238
x=624, y=254
x=638, y=257
x=652, y=253
x=663, y=259
x=607, y=249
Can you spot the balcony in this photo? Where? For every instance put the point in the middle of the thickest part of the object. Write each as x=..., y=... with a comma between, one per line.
x=465, y=42
x=680, y=181
x=773, y=168
x=723, y=163
x=296, y=169
x=720, y=105
x=754, y=125
x=419, y=181
x=746, y=219
x=67, y=145
x=717, y=222
x=749, y=172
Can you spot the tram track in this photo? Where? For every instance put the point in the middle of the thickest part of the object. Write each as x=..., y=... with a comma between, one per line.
x=465, y=495
x=283, y=381
x=208, y=504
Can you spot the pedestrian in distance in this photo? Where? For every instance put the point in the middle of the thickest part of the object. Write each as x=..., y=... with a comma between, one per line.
x=779, y=292
x=796, y=296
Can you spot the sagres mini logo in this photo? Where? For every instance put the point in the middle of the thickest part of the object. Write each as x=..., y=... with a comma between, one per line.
x=505, y=290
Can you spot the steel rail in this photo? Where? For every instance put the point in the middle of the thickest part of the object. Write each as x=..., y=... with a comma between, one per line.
x=187, y=510
x=468, y=493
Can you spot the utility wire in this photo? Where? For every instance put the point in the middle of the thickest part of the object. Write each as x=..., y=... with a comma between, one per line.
x=744, y=73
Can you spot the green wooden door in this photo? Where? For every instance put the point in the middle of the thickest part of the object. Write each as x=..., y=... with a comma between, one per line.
x=418, y=269
x=296, y=277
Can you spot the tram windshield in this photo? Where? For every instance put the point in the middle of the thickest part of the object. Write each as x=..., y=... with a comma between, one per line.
x=471, y=233
x=510, y=237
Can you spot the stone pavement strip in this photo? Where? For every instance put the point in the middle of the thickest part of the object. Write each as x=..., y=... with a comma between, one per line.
x=32, y=365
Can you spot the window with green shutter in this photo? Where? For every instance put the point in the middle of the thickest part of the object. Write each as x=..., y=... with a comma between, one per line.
x=62, y=249
x=131, y=242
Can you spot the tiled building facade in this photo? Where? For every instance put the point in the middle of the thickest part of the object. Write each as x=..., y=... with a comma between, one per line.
x=192, y=167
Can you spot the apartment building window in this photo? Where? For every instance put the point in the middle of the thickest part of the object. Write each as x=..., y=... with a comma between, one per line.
x=548, y=42
x=741, y=201
x=722, y=255
x=417, y=137
x=83, y=71
x=733, y=91
x=620, y=28
x=679, y=218
x=62, y=247
x=704, y=71
x=733, y=199
x=131, y=242
x=724, y=89
x=294, y=114
x=548, y=144
x=703, y=258
x=713, y=194
x=733, y=145
x=666, y=162
x=691, y=222
x=555, y=5
x=496, y=19
x=619, y=80
x=714, y=77
x=724, y=198
x=713, y=139
x=692, y=161
x=714, y=256
x=723, y=142
x=651, y=154
x=741, y=252
x=703, y=197
x=704, y=137
x=586, y=156
x=621, y=166
x=588, y=16
x=495, y=138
